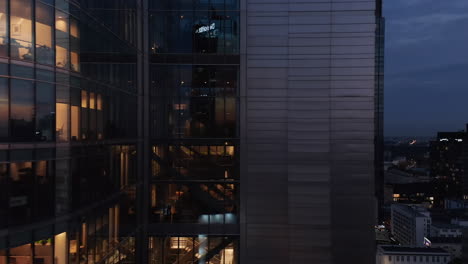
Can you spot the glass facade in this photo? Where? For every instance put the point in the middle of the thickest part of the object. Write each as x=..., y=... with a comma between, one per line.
x=194, y=129
x=120, y=131
x=68, y=132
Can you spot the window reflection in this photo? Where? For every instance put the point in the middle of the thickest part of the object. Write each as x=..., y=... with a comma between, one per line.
x=3, y=28
x=44, y=189
x=201, y=101
x=21, y=30
x=44, y=33
x=3, y=108
x=45, y=112
x=3, y=195
x=22, y=110
x=210, y=31
x=21, y=189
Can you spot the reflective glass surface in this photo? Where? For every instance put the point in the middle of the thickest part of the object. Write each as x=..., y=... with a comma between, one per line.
x=211, y=32
x=22, y=110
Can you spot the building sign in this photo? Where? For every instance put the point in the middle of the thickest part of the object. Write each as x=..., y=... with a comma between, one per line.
x=427, y=242
x=206, y=28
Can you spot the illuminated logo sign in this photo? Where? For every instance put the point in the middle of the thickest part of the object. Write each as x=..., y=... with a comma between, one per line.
x=206, y=28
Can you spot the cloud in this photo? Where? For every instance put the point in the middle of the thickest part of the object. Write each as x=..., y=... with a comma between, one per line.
x=431, y=19
x=425, y=66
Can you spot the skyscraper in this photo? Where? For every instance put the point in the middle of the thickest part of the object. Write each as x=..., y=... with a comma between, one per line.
x=177, y=131
x=68, y=131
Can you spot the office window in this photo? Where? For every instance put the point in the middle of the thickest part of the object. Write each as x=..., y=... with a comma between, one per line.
x=99, y=102
x=44, y=251
x=3, y=108
x=62, y=113
x=75, y=113
x=3, y=28
x=74, y=45
x=390, y=258
x=22, y=110
x=209, y=32
x=84, y=99
x=21, y=34
x=92, y=100
x=21, y=254
x=44, y=33
x=62, y=39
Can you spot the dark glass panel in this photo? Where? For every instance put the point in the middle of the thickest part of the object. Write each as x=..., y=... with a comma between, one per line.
x=3, y=109
x=22, y=71
x=62, y=4
x=21, y=44
x=22, y=110
x=194, y=5
x=21, y=155
x=21, y=190
x=207, y=32
x=4, y=190
x=44, y=75
x=4, y=27
x=45, y=111
x=195, y=101
x=44, y=190
x=44, y=33
x=4, y=69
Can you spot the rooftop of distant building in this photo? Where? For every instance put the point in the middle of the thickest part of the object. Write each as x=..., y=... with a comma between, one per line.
x=413, y=250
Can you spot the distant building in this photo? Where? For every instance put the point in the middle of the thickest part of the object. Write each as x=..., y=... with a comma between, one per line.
x=448, y=160
x=452, y=245
x=444, y=230
x=465, y=246
x=410, y=224
x=410, y=255
x=451, y=204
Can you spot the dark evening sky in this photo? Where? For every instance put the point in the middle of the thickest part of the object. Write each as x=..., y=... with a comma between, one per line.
x=426, y=66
